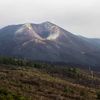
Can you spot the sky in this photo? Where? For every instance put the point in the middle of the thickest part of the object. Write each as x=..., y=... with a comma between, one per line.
x=81, y=17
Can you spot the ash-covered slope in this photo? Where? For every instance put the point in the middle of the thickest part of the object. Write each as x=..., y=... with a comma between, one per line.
x=48, y=42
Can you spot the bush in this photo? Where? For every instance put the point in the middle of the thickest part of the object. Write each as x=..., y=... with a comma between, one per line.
x=68, y=90
x=98, y=94
x=84, y=94
x=6, y=95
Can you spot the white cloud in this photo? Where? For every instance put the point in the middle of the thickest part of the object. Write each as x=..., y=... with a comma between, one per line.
x=77, y=16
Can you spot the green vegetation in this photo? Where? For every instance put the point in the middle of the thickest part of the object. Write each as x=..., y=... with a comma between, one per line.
x=6, y=95
x=68, y=90
x=21, y=79
x=98, y=95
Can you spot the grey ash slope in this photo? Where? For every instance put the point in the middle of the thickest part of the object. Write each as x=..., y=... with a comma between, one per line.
x=48, y=42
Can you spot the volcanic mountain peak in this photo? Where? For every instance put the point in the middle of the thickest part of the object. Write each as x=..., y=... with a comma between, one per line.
x=52, y=29
x=48, y=42
x=48, y=25
x=47, y=22
x=54, y=33
x=28, y=25
x=23, y=27
x=27, y=31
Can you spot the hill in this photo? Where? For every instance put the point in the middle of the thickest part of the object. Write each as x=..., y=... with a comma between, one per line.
x=41, y=81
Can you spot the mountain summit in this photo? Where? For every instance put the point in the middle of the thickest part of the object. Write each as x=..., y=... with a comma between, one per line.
x=43, y=31
x=48, y=42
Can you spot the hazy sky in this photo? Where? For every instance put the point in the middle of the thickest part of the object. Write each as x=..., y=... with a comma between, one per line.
x=77, y=16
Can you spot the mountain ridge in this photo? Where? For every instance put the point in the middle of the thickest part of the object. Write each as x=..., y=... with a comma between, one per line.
x=48, y=42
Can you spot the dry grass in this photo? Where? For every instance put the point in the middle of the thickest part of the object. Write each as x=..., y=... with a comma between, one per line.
x=39, y=85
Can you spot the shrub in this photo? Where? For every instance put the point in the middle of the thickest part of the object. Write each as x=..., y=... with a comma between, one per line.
x=98, y=94
x=84, y=94
x=6, y=95
x=68, y=90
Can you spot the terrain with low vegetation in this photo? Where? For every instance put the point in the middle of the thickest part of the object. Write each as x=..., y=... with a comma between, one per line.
x=31, y=80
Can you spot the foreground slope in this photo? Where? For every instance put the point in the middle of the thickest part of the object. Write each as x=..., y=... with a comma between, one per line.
x=41, y=81
x=35, y=84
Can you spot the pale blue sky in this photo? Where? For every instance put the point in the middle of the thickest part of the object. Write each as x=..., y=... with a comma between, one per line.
x=77, y=16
